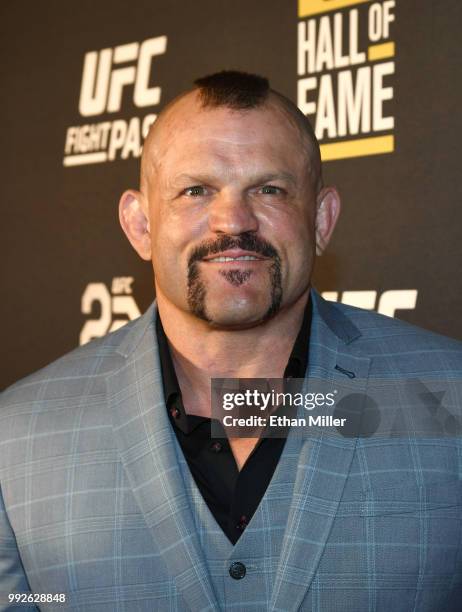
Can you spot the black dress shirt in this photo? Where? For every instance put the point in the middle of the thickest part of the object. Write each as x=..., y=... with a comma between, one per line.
x=231, y=495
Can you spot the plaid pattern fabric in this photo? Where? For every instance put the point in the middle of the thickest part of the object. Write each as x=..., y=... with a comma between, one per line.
x=94, y=502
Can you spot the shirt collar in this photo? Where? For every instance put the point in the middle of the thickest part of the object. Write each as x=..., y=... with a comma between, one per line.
x=296, y=368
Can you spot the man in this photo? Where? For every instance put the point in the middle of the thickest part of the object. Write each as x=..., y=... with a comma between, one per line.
x=117, y=493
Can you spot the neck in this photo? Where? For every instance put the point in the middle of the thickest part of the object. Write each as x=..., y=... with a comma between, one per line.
x=200, y=352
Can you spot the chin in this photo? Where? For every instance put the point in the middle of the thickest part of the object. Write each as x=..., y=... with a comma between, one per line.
x=239, y=316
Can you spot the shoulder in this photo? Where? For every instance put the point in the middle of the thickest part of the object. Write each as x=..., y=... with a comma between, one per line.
x=374, y=325
x=400, y=345
x=81, y=371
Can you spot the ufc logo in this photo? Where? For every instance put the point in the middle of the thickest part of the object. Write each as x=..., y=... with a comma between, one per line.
x=386, y=303
x=115, y=308
x=103, y=81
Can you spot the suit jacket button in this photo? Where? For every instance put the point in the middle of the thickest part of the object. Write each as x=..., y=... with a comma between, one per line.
x=237, y=570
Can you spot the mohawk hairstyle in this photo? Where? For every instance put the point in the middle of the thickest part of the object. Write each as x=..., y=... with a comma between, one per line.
x=236, y=90
x=243, y=91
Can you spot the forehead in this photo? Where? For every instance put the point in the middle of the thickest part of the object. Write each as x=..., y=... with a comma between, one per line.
x=190, y=135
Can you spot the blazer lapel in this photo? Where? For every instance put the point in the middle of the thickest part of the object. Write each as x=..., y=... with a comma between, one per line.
x=147, y=448
x=324, y=461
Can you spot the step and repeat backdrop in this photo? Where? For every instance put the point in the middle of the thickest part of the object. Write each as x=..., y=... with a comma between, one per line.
x=83, y=81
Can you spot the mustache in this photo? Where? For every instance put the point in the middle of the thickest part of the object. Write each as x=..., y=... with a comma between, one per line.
x=246, y=241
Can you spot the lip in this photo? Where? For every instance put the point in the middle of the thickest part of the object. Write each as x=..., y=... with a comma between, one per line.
x=234, y=253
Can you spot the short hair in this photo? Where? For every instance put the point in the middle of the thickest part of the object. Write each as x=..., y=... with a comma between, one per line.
x=236, y=90
x=243, y=91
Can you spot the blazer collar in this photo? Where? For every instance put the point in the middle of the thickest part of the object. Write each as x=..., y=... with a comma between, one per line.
x=324, y=459
x=146, y=446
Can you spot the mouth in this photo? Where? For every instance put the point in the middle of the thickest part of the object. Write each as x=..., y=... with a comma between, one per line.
x=234, y=255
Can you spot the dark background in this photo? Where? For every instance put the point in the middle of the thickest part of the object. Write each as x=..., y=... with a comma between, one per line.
x=400, y=226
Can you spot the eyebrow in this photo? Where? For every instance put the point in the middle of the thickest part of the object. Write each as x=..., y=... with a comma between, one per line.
x=256, y=180
x=272, y=176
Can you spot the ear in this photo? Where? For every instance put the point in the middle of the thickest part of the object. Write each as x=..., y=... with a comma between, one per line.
x=327, y=212
x=135, y=223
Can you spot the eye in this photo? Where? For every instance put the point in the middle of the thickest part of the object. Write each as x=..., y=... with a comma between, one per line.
x=271, y=190
x=195, y=190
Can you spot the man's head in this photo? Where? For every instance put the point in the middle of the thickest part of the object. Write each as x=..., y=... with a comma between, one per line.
x=231, y=208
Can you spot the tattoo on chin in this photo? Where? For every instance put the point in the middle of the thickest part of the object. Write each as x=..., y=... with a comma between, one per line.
x=236, y=277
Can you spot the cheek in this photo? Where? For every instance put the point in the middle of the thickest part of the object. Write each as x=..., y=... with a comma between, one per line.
x=300, y=255
x=172, y=238
x=292, y=233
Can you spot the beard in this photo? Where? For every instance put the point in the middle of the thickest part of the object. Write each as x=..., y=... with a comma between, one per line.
x=197, y=291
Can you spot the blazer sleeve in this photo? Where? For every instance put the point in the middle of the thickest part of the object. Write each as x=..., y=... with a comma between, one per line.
x=12, y=576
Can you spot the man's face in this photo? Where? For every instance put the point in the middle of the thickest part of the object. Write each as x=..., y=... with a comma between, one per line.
x=231, y=212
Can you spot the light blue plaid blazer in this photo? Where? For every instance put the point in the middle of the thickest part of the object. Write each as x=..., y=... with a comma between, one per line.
x=93, y=503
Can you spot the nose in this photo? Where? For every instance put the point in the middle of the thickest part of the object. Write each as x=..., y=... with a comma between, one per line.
x=230, y=213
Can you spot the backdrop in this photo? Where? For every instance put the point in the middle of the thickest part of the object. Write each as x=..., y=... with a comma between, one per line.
x=82, y=82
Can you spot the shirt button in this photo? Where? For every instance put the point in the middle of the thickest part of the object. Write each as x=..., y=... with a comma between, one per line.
x=175, y=413
x=242, y=524
x=237, y=570
x=215, y=447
